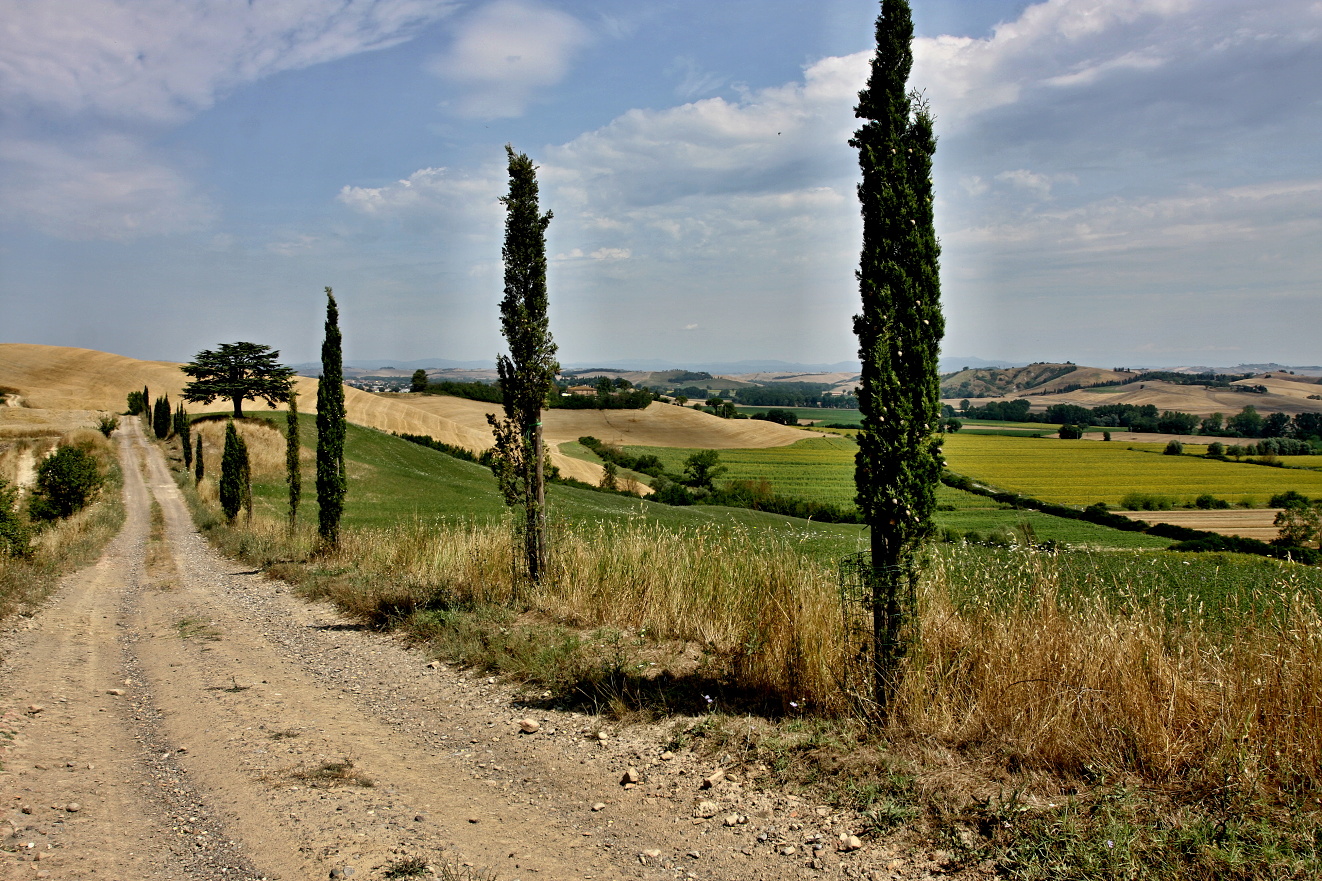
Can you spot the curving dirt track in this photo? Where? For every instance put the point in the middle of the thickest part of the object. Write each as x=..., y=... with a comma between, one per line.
x=171, y=716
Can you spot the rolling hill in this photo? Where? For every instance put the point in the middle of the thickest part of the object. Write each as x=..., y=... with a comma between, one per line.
x=71, y=387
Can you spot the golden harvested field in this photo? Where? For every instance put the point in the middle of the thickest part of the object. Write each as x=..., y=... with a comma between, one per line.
x=1250, y=523
x=660, y=425
x=60, y=388
x=1287, y=395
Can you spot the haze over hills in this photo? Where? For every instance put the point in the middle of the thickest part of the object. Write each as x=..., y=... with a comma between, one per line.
x=763, y=367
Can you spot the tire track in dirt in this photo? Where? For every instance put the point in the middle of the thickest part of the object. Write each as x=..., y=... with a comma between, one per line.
x=156, y=686
x=77, y=793
x=210, y=725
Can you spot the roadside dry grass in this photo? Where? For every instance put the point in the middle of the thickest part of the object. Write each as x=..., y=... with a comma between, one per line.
x=1081, y=728
x=25, y=582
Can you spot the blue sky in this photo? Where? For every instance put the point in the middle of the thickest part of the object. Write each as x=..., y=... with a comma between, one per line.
x=1119, y=182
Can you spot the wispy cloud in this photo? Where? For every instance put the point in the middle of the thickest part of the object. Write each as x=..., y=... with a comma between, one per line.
x=86, y=86
x=164, y=60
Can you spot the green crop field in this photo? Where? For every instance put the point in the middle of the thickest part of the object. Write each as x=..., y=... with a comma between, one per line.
x=1084, y=472
x=822, y=470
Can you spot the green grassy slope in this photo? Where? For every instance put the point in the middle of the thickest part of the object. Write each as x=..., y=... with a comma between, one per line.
x=392, y=480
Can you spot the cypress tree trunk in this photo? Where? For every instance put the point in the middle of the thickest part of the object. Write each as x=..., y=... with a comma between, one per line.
x=232, y=466
x=331, y=482
x=527, y=374
x=293, y=471
x=899, y=332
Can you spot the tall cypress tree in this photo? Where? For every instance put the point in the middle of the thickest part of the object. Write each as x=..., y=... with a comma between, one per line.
x=199, y=468
x=183, y=428
x=233, y=465
x=293, y=471
x=899, y=335
x=527, y=374
x=331, y=482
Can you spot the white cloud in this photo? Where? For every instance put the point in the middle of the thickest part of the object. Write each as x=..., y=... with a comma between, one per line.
x=1076, y=44
x=86, y=86
x=163, y=60
x=1210, y=221
x=107, y=189
x=465, y=200
x=1039, y=185
x=506, y=52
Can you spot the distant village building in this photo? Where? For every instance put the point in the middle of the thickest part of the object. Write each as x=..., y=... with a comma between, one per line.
x=581, y=390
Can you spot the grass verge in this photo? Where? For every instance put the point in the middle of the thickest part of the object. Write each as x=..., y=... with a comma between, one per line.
x=65, y=545
x=1065, y=715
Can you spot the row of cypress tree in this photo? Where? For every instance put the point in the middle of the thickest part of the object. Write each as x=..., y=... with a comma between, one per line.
x=331, y=481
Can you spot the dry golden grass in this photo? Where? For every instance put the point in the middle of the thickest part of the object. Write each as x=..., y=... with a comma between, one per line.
x=1022, y=678
x=1080, y=687
x=62, y=378
x=265, y=443
x=65, y=544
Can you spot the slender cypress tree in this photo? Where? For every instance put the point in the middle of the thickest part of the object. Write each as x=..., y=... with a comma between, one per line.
x=184, y=430
x=199, y=469
x=293, y=473
x=161, y=417
x=331, y=482
x=899, y=334
x=233, y=464
x=527, y=374
x=245, y=480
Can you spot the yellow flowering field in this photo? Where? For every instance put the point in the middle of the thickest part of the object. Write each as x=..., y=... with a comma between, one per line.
x=1082, y=472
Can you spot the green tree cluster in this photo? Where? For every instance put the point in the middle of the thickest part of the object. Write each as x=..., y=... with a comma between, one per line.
x=183, y=429
x=161, y=417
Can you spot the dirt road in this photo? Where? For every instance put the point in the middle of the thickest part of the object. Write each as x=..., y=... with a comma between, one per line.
x=170, y=715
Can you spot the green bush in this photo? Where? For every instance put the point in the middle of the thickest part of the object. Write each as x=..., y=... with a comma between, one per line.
x=1146, y=502
x=66, y=482
x=1173, y=448
x=14, y=535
